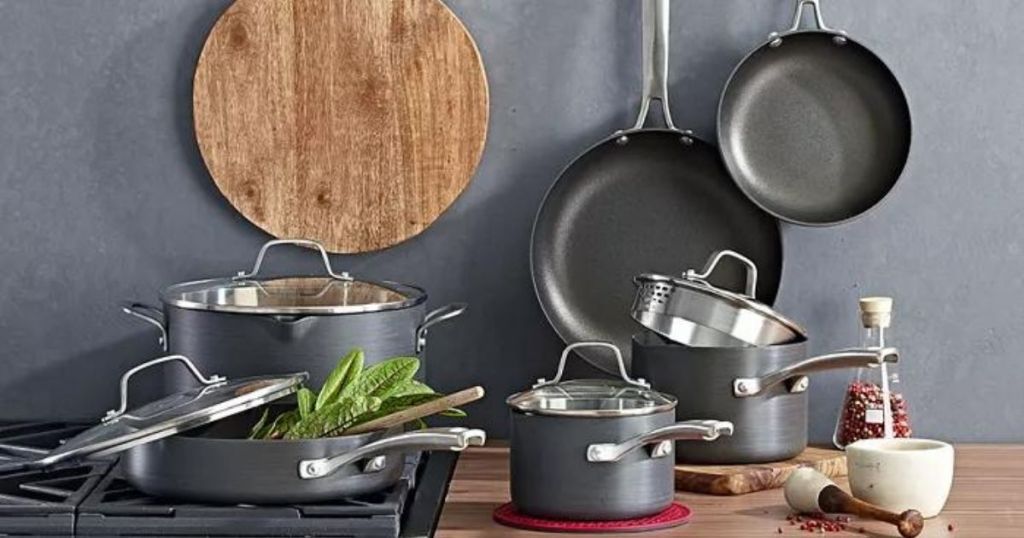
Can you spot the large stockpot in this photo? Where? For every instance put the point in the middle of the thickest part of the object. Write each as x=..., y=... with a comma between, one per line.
x=192, y=445
x=762, y=390
x=597, y=449
x=247, y=325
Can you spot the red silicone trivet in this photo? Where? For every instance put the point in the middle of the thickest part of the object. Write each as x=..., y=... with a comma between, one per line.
x=674, y=515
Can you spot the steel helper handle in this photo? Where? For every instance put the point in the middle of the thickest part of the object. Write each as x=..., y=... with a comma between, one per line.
x=242, y=275
x=704, y=430
x=454, y=439
x=751, y=287
x=852, y=358
x=618, y=358
x=433, y=318
x=655, y=58
x=150, y=314
x=114, y=413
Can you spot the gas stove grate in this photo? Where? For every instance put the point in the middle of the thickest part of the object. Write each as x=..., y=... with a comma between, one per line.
x=42, y=502
x=116, y=509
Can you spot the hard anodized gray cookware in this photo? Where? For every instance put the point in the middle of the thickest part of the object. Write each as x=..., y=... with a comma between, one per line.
x=192, y=445
x=597, y=449
x=641, y=200
x=762, y=390
x=813, y=126
x=690, y=310
x=247, y=324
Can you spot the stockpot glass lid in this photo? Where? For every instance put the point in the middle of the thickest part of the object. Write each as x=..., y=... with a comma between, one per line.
x=215, y=398
x=591, y=397
x=333, y=293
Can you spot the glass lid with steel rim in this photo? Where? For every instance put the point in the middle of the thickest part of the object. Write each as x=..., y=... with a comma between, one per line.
x=333, y=293
x=690, y=310
x=591, y=397
x=215, y=398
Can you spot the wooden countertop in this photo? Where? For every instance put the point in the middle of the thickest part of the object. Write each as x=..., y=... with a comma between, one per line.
x=987, y=502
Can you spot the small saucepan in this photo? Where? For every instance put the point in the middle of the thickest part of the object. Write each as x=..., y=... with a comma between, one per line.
x=597, y=449
x=192, y=445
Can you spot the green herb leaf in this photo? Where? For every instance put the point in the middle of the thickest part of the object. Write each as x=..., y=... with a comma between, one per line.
x=348, y=370
x=383, y=379
x=282, y=424
x=393, y=404
x=306, y=400
x=412, y=387
x=454, y=412
x=260, y=428
x=421, y=424
x=332, y=418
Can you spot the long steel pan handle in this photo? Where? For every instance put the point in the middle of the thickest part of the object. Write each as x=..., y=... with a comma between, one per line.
x=454, y=439
x=775, y=38
x=853, y=358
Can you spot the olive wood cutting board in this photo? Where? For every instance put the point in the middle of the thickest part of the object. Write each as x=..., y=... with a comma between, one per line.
x=741, y=479
x=355, y=123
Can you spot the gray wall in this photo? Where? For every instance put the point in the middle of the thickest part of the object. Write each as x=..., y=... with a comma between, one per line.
x=103, y=195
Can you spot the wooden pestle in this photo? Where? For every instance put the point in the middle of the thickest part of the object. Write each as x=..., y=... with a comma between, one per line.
x=809, y=491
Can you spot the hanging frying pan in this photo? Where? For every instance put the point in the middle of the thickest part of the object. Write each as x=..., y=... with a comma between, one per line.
x=642, y=199
x=813, y=127
x=354, y=123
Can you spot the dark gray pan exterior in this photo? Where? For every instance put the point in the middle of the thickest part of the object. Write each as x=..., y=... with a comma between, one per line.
x=551, y=477
x=217, y=464
x=814, y=128
x=769, y=427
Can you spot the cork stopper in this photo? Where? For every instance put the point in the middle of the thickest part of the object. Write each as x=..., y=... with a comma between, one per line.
x=876, y=311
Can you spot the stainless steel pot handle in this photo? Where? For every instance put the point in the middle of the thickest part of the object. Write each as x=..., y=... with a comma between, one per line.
x=662, y=438
x=242, y=275
x=150, y=314
x=618, y=359
x=433, y=318
x=796, y=373
x=750, y=289
x=454, y=439
x=207, y=381
x=776, y=38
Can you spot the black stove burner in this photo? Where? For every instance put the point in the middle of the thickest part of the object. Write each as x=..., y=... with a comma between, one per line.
x=93, y=500
x=42, y=502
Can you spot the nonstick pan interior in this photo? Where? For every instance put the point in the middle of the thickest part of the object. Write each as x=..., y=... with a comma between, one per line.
x=816, y=131
x=652, y=204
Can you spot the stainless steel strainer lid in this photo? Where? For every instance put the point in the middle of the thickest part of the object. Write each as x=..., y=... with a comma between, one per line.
x=333, y=293
x=689, y=310
x=591, y=397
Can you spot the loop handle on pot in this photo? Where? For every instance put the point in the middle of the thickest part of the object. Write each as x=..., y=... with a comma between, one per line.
x=819, y=22
x=433, y=318
x=207, y=381
x=150, y=314
x=618, y=359
x=703, y=430
x=751, y=286
x=454, y=439
x=242, y=275
x=853, y=358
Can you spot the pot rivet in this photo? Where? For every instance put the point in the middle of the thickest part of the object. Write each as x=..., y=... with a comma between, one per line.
x=742, y=387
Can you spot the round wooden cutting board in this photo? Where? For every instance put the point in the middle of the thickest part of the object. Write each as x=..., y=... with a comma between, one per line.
x=355, y=123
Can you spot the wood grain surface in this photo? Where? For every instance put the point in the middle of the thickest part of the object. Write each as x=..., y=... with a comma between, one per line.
x=987, y=501
x=741, y=479
x=352, y=122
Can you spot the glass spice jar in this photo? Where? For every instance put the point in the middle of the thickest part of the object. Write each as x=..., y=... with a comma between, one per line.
x=873, y=405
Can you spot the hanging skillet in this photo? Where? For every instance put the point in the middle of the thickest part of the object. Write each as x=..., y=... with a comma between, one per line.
x=813, y=126
x=644, y=199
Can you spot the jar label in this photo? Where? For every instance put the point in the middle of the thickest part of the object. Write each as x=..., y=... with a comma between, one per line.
x=874, y=416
